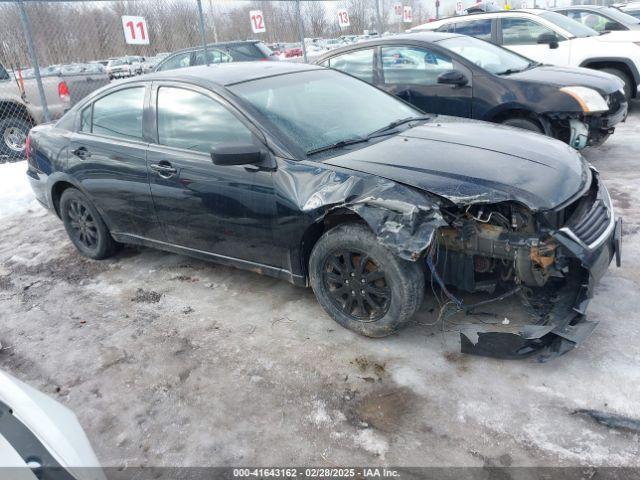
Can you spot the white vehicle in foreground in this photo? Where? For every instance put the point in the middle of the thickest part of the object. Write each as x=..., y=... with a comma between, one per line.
x=39, y=437
x=554, y=39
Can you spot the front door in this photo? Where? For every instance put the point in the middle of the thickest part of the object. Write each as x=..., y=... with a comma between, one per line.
x=225, y=210
x=412, y=74
x=522, y=34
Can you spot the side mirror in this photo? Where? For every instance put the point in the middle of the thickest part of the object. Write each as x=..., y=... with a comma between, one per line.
x=236, y=154
x=548, y=39
x=453, y=77
x=613, y=26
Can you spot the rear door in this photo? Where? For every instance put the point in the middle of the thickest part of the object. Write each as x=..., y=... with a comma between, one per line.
x=412, y=72
x=108, y=157
x=521, y=35
x=225, y=210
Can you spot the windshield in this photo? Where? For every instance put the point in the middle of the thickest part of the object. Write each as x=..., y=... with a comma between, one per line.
x=322, y=107
x=618, y=16
x=113, y=63
x=574, y=28
x=492, y=58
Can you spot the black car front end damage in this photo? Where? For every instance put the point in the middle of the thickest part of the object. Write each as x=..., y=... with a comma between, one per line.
x=582, y=130
x=552, y=260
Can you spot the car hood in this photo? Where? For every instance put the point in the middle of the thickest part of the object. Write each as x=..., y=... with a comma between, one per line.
x=619, y=36
x=565, y=77
x=475, y=162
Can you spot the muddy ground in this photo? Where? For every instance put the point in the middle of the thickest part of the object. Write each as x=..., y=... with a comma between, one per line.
x=167, y=360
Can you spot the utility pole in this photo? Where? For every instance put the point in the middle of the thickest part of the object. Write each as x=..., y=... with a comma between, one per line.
x=34, y=60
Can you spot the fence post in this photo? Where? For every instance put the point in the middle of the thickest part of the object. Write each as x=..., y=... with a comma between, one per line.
x=213, y=22
x=301, y=31
x=203, y=36
x=34, y=60
x=378, y=18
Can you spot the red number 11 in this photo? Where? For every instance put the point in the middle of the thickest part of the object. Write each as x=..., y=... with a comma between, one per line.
x=140, y=26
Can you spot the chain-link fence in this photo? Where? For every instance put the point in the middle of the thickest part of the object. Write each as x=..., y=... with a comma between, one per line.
x=55, y=52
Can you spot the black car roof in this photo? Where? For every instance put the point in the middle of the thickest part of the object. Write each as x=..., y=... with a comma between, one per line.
x=417, y=36
x=224, y=74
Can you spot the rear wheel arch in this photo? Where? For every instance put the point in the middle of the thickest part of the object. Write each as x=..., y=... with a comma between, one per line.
x=615, y=64
x=57, y=190
x=15, y=109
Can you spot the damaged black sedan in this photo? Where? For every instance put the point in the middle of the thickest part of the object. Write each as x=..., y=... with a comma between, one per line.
x=315, y=177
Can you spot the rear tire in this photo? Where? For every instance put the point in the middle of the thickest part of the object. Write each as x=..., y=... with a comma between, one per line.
x=622, y=76
x=361, y=284
x=524, y=123
x=13, y=136
x=84, y=225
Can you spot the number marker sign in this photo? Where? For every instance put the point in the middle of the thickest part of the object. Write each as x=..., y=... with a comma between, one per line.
x=135, y=30
x=407, y=14
x=397, y=10
x=343, y=18
x=257, y=21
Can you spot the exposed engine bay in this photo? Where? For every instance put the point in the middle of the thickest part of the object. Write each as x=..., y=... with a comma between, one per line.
x=549, y=260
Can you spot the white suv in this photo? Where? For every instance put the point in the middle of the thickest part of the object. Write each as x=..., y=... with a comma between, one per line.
x=552, y=38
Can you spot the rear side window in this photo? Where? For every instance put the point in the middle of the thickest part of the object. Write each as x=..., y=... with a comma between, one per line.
x=477, y=28
x=193, y=121
x=412, y=65
x=180, y=60
x=119, y=114
x=359, y=64
x=521, y=31
x=3, y=73
x=247, y=52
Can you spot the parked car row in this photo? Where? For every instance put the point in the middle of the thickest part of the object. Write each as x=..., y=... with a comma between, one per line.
x=552, y=38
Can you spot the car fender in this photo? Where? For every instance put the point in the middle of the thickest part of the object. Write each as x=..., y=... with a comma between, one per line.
x=62, y=177
x=621, y=60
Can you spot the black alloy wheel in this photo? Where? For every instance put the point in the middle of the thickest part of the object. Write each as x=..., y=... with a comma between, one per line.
x=357, y=285
x=83, y=225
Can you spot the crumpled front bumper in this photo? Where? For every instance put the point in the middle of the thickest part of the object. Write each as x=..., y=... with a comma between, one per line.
x=565, y=324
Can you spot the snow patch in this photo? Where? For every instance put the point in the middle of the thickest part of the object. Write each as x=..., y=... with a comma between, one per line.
x=16, y=195
x=372, y=442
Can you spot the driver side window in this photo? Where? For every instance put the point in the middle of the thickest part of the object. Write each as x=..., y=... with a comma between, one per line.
x=181, y=60
x=193, y=121
x=413, y=65
x=591, y=19
x=522, y=31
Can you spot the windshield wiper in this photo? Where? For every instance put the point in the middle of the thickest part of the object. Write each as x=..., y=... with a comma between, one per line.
x=339, y=144
x=396, y=123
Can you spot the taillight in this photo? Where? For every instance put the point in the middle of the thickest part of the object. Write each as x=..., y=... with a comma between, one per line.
x=63, y=92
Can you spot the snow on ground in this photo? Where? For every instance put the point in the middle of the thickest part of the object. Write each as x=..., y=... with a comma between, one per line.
x=168, y=360
x=15, y=193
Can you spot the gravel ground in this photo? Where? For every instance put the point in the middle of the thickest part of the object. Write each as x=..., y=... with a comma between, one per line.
x=170, y=361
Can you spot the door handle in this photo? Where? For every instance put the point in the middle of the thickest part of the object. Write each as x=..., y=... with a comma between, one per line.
x=81, y=152
x=164, y=169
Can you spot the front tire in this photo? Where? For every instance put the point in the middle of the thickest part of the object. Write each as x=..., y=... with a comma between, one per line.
x=622, y=76
x=361, y=284
x=13, y=136
x=524, y=123
x=84, y=225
